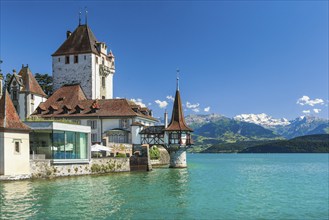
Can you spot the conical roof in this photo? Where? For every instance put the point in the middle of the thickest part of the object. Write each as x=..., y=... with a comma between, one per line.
x=177, y=122
x=82, y=40
x=9, y=119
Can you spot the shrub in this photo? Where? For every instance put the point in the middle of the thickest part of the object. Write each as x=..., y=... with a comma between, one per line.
x=154, y=153
x=120, y=155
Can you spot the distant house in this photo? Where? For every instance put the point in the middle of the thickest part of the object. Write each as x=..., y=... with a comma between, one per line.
x=25, y=92
x=14, y=140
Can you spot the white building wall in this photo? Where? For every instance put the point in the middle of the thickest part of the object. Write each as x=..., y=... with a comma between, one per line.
x=22, y=105
x=80, y=72
x=135, y=136
x=12, y=163
x=109, y=124
x=85, y=72
x=37, y=100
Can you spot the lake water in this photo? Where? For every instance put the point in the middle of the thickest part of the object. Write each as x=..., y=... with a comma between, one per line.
x=215, y=186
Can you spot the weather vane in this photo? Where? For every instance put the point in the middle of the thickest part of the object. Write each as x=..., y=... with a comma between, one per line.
x=177, y=85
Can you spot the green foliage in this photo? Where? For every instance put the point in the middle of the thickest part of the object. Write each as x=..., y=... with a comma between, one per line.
x=120, y=155
x=46, y=82
x=229, y=130
x=154, y=153
x=304, y=144
x=34, y=118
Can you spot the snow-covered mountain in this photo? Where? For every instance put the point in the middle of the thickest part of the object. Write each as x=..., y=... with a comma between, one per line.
x=262, y=119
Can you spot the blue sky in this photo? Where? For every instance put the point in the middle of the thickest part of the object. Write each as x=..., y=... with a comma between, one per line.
x=234, y=56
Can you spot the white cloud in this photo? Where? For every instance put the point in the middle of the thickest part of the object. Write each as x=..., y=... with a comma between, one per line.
x=207, y=109
x=162, y=104
x=169, y=97
x=150, y=103
x=317, y=110
x=190, y=105
x=306, y=111
x=138, y=102
x=196, y=110
x=305, y=100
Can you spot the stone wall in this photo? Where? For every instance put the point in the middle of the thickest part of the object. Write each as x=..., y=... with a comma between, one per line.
x=44, y=168
x=164, y=157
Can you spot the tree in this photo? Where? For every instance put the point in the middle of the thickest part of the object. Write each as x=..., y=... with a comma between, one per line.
x=46, y=82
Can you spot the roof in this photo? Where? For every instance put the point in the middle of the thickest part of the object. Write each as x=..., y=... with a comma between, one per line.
x=9, y=119
x=177, y=122
x=82, y=40
x=30, y=84
x=159, y=129
x=73, y=96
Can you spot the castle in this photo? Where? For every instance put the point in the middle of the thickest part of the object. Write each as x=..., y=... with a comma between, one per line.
x=83, y=73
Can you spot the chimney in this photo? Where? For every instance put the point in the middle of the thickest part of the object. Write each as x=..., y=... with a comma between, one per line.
x=166, y=119
x=1, y=84
x=68, y=34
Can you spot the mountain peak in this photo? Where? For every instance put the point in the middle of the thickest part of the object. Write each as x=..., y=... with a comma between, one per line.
x=262, y=119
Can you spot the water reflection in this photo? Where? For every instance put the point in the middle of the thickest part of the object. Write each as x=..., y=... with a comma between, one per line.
x=17, y=201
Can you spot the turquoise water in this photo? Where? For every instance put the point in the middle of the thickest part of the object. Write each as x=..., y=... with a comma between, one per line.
x=215, y=186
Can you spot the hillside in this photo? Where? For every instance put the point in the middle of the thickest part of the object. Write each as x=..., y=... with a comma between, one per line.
x=228, y=130
x=302, y=126
x=305, y=144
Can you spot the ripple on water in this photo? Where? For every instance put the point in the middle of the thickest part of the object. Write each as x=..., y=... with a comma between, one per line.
x=217, y=186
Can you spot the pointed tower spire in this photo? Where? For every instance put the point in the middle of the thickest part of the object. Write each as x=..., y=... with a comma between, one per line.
x=177, y=122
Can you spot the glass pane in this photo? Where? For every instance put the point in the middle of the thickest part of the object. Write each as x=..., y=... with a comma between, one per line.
x=70, y=146
x=59, y=145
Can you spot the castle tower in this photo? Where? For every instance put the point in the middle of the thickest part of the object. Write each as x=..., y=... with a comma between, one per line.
x=178, y=134
x=83, y=59
x=26, y=93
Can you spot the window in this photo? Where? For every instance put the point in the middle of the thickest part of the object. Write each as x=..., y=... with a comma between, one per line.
x=76, y=59
x=103, y=97
x=67, y=60
x=103, y=81
x=17, y=147
x=103, y=60
x=14, y=95
x=32, y=96
x=124, y=123
x=94, y=137
x=92, y=124
x=59, y=59
x=85, y=57
x=96, y=59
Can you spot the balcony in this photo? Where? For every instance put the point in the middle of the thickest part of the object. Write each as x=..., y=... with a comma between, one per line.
x=105, y=70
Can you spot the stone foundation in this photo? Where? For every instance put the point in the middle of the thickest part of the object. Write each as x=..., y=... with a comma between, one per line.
x=178, y=159
x=45, y=169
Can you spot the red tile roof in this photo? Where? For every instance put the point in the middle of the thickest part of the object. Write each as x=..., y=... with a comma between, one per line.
x=73, y=96
x=9, y=119
x=177, y=118
x=82, y=40
x=30, y=84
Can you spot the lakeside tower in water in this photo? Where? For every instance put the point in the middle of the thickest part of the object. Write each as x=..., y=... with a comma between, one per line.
x=178, y=134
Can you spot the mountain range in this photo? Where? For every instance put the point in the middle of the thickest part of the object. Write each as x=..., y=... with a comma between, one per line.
x=215, y=129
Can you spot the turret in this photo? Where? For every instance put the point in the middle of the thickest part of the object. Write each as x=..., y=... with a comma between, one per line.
x=178, y=133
